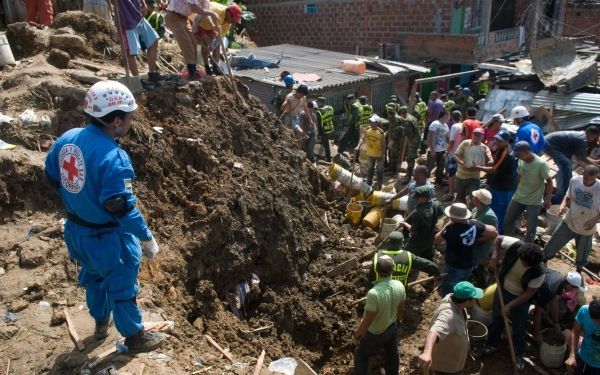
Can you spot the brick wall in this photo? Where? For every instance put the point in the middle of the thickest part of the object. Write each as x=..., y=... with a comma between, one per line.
x=341, y=25
x=583, y=19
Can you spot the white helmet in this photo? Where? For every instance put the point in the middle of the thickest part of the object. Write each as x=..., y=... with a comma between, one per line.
x=519, y=112
x=105, y=97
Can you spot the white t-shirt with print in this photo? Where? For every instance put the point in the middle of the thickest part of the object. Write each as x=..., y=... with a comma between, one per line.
x=456, y=136
x=439, y=131
x=584, y=205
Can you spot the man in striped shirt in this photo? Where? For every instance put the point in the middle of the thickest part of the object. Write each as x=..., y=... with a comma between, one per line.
x=176, y=19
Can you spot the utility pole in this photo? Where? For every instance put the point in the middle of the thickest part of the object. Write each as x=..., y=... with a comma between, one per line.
x=534, y=21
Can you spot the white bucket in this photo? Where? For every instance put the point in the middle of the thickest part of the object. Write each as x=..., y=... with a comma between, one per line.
x=553, y=356
x=6, y=55
x=401, y=204
x=480, y=315
x=388, y=225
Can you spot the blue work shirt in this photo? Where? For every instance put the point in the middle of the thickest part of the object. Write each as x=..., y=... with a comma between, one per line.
x=532, y=134
x=90, y=168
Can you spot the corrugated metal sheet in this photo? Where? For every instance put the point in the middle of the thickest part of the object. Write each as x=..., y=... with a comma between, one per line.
x=298, y=59
x=578, y=102
x=572, y=121
x=500, y=98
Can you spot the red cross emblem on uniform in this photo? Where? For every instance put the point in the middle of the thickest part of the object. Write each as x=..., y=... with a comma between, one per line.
x=534, y=136
x=72, y=168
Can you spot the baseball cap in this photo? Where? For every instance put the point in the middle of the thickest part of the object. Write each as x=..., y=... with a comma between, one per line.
x=575, y=279
x=498, y=117
x=478, y=131
x=289, y=79
x=502, y=135
x=466, y=290
x=375, y=119
x=236, y=13
x=521, y=146
x=422, y=191
x=385, y=265
x=396, y=238
x=483, y=195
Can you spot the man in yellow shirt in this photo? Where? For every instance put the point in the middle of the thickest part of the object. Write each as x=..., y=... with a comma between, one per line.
x=374, y=138
x=207, y=34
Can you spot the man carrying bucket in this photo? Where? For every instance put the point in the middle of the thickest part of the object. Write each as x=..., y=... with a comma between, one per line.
x=447, y=343
x=374, y=138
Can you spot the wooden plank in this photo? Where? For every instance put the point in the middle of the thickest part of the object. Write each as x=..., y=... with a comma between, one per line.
x=259, y=363
x=73, y=331
x=223, y=351
x=303, y=368
x=344, y=267
x=446, y=76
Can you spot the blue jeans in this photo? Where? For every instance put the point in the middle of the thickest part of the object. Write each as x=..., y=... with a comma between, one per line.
x=512, y=214
x=110, y=260
x=518, y=317
x=371, y=344
x=500, y=201
x=453, y=277
x=564, y=174
x=562, y=234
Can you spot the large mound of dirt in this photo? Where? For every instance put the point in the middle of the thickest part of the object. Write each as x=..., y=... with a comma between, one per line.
x=99, y=32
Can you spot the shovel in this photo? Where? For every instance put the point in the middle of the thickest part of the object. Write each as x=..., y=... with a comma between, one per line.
x=133, y=83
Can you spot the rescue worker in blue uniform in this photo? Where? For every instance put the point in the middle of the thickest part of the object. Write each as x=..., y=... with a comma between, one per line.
x=105, y=232
x=528, y=131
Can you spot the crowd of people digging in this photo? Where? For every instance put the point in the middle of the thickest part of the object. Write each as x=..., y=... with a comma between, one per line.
x=496, y=178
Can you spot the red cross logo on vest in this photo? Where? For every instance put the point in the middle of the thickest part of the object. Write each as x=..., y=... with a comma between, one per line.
x=535, y=136
x=72, y=168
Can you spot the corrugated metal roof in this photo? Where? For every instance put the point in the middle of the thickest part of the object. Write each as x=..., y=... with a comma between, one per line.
x=578, y=102
x=571, y=121
x=327, y=64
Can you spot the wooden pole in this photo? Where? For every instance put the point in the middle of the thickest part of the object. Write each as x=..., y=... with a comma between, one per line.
x=506, y=325
x=414, y=283
x=73, y=331
x=259, y=363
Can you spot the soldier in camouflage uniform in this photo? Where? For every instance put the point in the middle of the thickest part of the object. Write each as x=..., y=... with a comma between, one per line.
x=395, y=136
x=413, y=135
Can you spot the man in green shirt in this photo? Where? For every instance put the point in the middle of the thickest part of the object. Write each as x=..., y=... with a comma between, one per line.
x=422, y=222
x=404, y=261
x=534, y=188
x=378, y=328
x=412, y=132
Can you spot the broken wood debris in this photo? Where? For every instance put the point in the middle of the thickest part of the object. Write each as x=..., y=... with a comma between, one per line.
x=73, y=331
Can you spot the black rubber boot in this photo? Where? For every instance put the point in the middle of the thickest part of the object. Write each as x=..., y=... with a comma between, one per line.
x=144, y=341
x=101, y=331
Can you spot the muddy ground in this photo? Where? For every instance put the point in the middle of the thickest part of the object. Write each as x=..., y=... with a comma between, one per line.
x=228, y=194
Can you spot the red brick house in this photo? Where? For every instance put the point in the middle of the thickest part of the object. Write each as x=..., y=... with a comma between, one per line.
x=448, y=32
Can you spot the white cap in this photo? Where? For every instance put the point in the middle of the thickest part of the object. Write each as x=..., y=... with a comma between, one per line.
x=375, y=119
x=574, y=278
x=519, y=112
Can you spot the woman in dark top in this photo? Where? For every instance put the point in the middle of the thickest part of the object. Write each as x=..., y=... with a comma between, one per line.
x=500, y=178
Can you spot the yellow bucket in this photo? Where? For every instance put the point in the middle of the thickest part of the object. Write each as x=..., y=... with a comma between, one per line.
x=487, y=301
x=354, y=213
x=373, y=218
x=378, y=198
x=335, y=170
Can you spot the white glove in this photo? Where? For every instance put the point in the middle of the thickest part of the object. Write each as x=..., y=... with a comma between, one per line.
x=149, y=248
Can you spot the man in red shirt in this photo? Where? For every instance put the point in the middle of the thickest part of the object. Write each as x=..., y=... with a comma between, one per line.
x=39, y=11
x=471, y=123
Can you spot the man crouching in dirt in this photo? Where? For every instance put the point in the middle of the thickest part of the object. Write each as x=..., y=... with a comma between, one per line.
x=378, y=328
x=104, y=229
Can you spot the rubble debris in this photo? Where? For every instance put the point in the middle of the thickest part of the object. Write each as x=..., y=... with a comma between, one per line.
x=26, y=41
x=59, y=58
